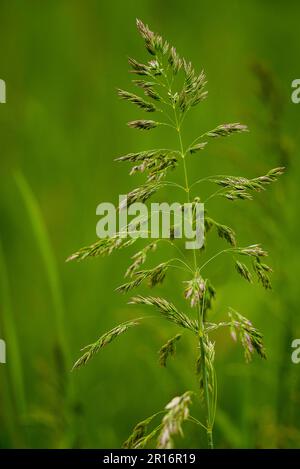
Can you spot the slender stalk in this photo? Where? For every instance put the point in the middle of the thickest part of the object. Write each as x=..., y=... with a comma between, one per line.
x=205, y=381
x=200, y=319
x=206, y=394
x=214, y=257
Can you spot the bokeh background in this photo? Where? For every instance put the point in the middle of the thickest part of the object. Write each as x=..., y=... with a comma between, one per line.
x=61, y=128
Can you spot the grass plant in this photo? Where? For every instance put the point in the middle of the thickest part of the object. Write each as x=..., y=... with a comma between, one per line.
x=169, y=88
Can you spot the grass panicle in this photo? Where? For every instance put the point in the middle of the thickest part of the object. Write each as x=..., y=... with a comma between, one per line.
x=172, y=86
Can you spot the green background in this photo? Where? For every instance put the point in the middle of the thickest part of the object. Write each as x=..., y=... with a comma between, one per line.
x=61, y=128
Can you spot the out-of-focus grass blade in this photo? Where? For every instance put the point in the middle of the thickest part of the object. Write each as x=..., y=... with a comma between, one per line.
x=44, y=246
x=230, y=432
x=14, y=365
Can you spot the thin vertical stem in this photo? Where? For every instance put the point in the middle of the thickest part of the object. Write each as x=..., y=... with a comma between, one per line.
x=200, y=319
x=206, y=394
x=209, y=423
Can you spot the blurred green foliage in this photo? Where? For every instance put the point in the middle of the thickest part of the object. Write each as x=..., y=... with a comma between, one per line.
x=60, y=129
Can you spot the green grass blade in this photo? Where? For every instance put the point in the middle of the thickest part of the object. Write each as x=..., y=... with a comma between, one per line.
x=14, y=362
x=48, y=257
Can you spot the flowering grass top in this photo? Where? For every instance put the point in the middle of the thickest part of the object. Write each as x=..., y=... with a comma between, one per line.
x=167, y=87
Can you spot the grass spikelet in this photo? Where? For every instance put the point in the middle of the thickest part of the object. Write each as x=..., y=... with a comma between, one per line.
x=239, y=187
x=153, y=42
x=148, y=155
x=139, y=69
x=174, y=60
x=226, y=233
x=198, y=147
x=138, y=434
x=243, y=270
x=237, y=195
x=195, y=289
x=262, y=271
x=153, y=276
x=249, y=336
x=255, y=250
x=148, y=88
x=168, y=310
x=157, y=162
x=133, y=98
x=104, y=340
x=206, y=301
x=177, y=412
x=140, y=194
x=205, y=367
x=168, y=349
x=139, y=258
x=104, y=246
x=225, y=130
x=143, y=124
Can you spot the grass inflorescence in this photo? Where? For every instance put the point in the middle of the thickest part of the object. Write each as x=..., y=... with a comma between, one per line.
x=170, y=88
